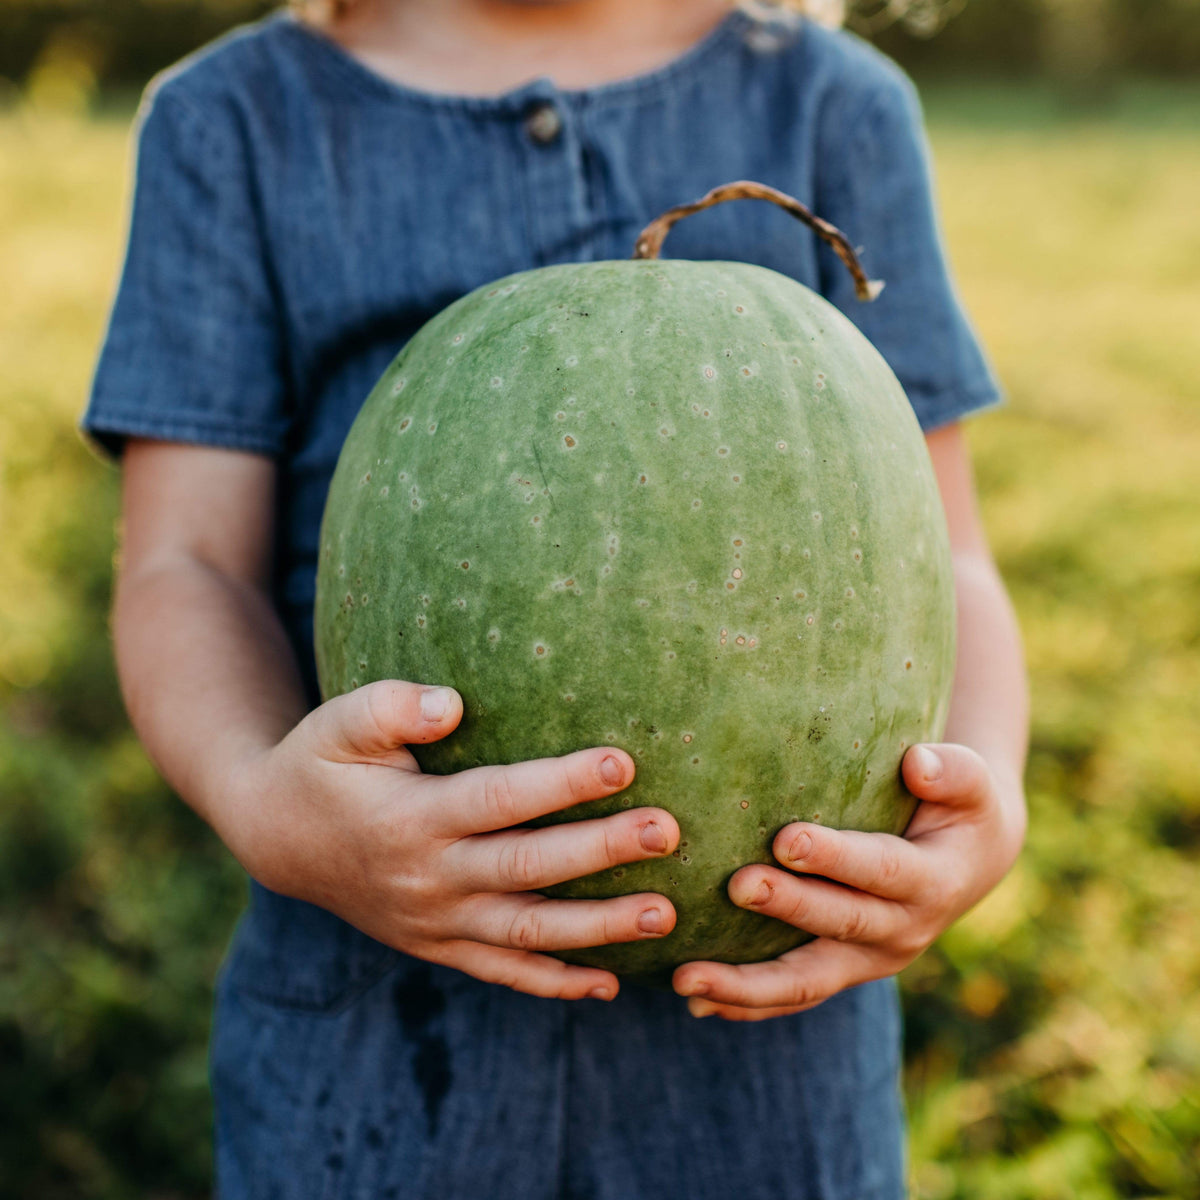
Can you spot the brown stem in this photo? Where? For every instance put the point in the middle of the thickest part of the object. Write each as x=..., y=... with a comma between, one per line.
x=650, y=240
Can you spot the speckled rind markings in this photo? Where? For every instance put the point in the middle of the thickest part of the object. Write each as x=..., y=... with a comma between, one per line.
x=683, y=508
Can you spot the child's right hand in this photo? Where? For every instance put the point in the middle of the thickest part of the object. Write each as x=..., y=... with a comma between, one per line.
x=339, y=814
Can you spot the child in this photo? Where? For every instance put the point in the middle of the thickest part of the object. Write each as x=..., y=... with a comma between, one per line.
x=308, y=194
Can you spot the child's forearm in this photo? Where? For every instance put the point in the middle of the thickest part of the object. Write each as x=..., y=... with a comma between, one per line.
x=989, y=710
x=208, y=675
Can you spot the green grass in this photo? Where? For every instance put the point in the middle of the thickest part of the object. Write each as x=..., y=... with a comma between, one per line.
x=1053, y=1038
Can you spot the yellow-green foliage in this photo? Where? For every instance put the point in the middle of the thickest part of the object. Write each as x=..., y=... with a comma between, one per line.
x=1054, y=1035
x=1054, y=1040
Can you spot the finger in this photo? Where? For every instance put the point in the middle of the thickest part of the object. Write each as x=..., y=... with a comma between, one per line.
x=526, y=921
x=817, y=906
x=380, y=718
x=947, y=774
x=523, y=860
x=489, y=798
x=801, y=978
x=872, y=862
x=729, y=1012
x=533, y=974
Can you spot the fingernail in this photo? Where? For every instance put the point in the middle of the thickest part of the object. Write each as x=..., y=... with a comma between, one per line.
x=600, y=993
x=696, y=988
x=928, y=764
x=435, y=703
x=800, y=848
x=651, y=921
x=611, y=771
x=653, y=839
x=762, y=894
x=701, y=1008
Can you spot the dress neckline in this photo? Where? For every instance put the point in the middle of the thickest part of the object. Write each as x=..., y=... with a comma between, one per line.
x=366, y=78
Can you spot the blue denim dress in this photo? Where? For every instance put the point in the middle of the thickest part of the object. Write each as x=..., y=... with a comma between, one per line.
x=295, y=219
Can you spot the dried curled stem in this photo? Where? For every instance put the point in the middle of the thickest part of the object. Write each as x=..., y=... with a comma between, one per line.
x=650, y=240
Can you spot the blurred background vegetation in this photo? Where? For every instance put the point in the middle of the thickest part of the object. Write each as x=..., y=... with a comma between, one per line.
x=1053, y=1038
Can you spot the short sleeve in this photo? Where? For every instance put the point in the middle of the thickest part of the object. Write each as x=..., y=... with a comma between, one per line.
x=193, y=348
x=874, y=183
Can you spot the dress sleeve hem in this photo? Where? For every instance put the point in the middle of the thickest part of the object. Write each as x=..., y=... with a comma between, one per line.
x=107, y=433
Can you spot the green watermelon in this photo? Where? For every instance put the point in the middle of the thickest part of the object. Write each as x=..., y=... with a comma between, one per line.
x=679, y=507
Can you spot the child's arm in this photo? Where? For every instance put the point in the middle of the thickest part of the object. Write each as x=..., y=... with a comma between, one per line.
x=330, y=807
x=891, y=897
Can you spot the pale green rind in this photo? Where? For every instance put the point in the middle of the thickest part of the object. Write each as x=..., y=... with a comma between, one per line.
x=684, y=508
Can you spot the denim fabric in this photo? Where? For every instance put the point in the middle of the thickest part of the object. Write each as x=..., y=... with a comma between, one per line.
x=422, y=1083
x=295, y=219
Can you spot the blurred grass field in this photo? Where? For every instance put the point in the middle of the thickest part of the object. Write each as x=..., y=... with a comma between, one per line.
x=1053, y=1036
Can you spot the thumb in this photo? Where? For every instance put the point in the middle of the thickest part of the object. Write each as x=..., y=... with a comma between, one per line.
x=379, y=718
x=947, y=773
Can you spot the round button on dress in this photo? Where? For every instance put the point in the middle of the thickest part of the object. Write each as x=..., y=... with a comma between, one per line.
x=544, y=123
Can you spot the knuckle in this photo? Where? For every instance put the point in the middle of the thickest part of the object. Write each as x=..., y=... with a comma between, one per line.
x=891, y=866
x=504, y=976
x=422, y=895
x=854, y=927
x=951, y=893
x=799, y=994
x=499, y=799
x=381, y=704
x=526, y=930
x=520, y=862
x=908, y=945
x=439, y=952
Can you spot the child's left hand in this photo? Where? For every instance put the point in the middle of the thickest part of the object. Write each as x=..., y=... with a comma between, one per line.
x=874, y=901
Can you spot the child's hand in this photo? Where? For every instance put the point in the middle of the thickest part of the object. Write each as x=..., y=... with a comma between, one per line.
x=874, y=901
x=339, y=814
